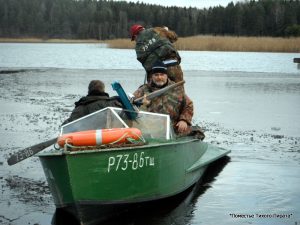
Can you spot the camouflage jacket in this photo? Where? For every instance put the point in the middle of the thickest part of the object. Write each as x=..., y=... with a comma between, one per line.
x=155, y=44
x=92, y=103
x=174, y=102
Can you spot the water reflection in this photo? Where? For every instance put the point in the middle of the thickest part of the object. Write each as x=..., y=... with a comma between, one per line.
x=91, y=56
x=276, y=86
x=61, y=217
x=175, y=210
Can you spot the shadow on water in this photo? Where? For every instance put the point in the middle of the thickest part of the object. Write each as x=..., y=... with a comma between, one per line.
x=173, y=210
x=61, y=217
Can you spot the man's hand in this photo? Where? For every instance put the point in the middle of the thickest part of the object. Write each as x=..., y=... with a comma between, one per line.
x=182, y=126
x=146, y=102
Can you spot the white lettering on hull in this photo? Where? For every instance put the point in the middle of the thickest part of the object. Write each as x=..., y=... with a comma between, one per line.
x=129, y=161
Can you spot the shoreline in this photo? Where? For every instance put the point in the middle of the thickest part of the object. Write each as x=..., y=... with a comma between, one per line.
x=195, y=43
x=54, y=40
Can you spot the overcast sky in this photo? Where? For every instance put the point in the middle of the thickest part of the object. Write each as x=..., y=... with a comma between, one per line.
x=187, y=3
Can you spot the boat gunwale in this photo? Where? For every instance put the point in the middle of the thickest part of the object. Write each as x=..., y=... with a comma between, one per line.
x=61, y=152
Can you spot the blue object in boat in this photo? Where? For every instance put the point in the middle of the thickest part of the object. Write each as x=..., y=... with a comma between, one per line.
x=131, y=113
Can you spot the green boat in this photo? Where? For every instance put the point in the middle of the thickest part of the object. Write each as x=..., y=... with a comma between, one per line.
x=106, y=179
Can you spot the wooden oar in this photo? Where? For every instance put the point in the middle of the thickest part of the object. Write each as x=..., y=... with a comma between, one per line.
x=158, y=92
x=30, y=151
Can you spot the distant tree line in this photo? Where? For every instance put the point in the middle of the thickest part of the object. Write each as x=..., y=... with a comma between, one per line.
x=106, y=19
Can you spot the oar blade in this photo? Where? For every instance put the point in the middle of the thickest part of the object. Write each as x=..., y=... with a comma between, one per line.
x=159, y=92
x=28, y=152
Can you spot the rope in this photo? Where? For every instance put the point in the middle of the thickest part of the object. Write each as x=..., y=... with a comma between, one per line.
x=140, y=138
x=116, y=141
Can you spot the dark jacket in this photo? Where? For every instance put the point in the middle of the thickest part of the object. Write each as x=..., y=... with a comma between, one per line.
x=92, y=103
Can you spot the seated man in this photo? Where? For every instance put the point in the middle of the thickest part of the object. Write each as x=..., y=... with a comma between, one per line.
x=174, y=102
x=96, y=99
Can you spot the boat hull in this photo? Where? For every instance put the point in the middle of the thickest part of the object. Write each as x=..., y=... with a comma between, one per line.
x=93, y=213
x=87, y=183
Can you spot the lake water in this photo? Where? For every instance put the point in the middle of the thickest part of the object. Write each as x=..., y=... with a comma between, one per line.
x=246, y=102
x=96, y=56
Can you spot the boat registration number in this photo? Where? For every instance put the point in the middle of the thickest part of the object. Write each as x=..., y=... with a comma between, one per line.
x=129, y=161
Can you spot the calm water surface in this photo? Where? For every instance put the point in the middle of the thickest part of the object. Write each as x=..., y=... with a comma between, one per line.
x=246, y=102
x=97, y=56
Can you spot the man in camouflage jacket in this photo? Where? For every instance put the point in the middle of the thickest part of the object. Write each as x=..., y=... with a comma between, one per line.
x=96, y=99
x=174, y=102
x=155, y=44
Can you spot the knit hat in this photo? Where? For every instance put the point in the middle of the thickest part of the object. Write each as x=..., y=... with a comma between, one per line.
x=96, y=85
x=135, y=30
x=158, y=67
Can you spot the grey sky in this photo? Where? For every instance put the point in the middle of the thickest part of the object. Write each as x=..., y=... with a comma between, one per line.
x=187, y=3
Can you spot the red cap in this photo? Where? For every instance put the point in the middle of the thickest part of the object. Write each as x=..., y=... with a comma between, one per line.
x=134, y=30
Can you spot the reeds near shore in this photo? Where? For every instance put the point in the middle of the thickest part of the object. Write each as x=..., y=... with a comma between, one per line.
x=120, y=43
x=226, y=43
x=196, y=43
x=244, y=44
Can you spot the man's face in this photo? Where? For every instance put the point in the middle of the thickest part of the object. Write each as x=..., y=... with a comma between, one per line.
x=159, y=79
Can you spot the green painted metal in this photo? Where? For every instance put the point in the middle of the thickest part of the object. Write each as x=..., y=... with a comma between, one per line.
x=132, y=174
x=212, y=154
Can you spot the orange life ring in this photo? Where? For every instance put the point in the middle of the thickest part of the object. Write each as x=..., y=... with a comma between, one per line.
x=99, y=137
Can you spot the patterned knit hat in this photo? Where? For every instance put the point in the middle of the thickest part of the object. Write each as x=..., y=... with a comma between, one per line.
x=134, y=30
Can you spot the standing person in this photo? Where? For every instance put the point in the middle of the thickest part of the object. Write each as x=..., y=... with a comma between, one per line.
x=174, y=102
x=96, y=99
x=155, y=44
